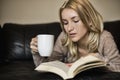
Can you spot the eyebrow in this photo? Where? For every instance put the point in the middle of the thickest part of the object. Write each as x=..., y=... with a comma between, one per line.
x=72, y=17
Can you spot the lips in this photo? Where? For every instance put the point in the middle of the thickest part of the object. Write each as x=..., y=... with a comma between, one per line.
x=72, y=35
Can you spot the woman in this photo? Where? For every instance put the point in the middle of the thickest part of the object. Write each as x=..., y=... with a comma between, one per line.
x=82, y=34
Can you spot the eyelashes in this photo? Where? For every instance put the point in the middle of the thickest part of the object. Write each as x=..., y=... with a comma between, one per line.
x=74, y=21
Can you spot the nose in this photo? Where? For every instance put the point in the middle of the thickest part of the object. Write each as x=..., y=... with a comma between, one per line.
x=70, y=27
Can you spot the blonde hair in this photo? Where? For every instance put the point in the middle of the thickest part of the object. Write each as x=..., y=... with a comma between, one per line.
x=91, y=19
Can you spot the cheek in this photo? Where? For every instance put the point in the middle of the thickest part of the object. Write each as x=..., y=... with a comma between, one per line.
x=65, y=28
x=81, y=32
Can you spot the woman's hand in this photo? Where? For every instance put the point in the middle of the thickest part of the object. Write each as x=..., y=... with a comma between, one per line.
x=69, y=64
x=33, y=45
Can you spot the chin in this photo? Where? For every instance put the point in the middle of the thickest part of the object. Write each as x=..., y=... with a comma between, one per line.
x=75, y=40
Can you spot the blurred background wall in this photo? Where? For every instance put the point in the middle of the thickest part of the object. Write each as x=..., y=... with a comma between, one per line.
x=43, y=11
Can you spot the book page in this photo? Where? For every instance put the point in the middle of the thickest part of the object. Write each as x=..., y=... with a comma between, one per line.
x=56, y=67
x=86, y=67
x=83, y=61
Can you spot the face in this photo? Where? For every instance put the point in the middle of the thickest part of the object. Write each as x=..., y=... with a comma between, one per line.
x=73, y=25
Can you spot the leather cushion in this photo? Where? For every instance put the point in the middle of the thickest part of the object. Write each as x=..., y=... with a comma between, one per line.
x=17, y=38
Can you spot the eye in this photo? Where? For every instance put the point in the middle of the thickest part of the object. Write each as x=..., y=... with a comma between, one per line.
x=65, y=22
x=75, y=21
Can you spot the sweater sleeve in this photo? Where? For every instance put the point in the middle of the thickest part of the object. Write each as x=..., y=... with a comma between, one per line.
x=108, y=51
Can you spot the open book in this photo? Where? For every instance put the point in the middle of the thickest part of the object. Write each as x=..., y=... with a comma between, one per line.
x=66, y=72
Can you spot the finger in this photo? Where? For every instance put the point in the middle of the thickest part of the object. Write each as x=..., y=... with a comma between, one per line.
x=34, y=49
x=33, y=42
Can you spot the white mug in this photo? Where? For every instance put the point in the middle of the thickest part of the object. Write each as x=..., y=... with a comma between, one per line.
x=45, y=44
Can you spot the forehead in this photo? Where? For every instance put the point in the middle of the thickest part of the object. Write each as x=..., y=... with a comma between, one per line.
x=69, y=13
